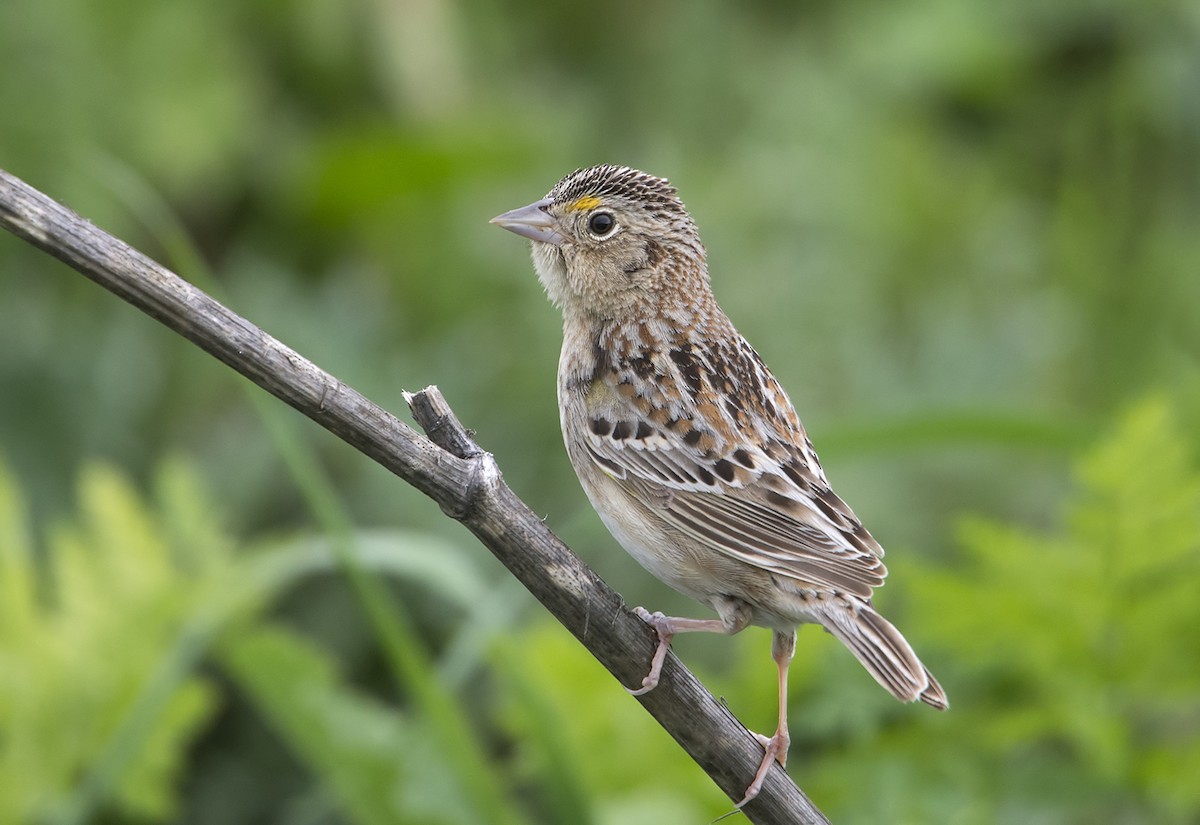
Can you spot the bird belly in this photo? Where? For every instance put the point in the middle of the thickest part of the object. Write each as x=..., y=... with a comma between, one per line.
x=680, y=562
x=636, y=530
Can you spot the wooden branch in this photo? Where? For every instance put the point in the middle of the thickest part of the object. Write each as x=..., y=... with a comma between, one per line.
x=448, y=466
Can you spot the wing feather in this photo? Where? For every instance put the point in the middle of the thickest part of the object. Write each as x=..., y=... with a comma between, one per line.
x=732, y=467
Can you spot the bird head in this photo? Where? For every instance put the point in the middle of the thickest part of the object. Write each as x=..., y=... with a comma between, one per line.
x=609, y=241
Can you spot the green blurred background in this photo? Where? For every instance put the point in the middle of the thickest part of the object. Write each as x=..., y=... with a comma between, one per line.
x=965, y=235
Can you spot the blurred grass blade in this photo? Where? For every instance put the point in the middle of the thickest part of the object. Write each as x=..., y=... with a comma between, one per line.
x=566, y=797
x=441, y=567
x=493, y=614
x=381, y=767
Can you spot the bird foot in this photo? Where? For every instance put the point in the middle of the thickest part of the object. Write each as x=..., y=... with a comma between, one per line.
x=776, y=750
x=662, y=625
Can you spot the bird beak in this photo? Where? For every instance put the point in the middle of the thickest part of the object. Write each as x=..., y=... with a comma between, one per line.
x=533, y=222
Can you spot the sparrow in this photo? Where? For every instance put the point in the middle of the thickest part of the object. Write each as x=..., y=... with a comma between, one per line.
x=688, y=448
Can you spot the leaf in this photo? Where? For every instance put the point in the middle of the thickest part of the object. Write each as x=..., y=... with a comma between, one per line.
x=599, y=756
x=89, y=710
x=148, y=788
x=378, y=765
x=1077, y=645
x=429, y=562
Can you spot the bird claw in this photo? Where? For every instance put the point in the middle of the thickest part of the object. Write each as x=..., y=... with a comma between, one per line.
x=775, y=750
x=662, y=626
x=656, y=619
x=649, y=683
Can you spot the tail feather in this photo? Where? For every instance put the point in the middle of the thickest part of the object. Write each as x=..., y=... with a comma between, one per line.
x=933, y=695
x=886, y=655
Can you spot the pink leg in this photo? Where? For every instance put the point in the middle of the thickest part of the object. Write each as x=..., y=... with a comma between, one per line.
x=783, y=647
x=735, y=616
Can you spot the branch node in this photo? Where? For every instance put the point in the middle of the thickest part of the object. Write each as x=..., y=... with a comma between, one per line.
x=481, y=486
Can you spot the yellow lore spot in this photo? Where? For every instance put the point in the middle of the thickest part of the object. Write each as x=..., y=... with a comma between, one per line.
x=586, y=202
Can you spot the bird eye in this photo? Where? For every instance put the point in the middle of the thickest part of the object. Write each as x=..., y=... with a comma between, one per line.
x=601, y=224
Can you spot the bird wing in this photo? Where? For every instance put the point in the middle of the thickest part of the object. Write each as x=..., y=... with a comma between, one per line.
x=711, y=443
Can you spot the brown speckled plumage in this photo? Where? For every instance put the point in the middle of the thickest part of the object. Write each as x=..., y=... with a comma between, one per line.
x=687, y=446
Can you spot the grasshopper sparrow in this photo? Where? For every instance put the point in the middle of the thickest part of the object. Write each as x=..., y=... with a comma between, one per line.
x=687, y=446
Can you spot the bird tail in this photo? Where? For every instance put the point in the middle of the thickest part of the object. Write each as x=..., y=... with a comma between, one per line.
x=886, y=655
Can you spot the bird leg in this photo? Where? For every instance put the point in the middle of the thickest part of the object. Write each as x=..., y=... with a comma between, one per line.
x=735, y=617
x=783, y=647
x=667, y=627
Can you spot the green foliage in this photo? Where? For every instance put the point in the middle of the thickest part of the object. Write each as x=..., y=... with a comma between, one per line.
x=381, y=767
x=1071, y=654
x=592, y=753
x=100, y=698
x=81, y=651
